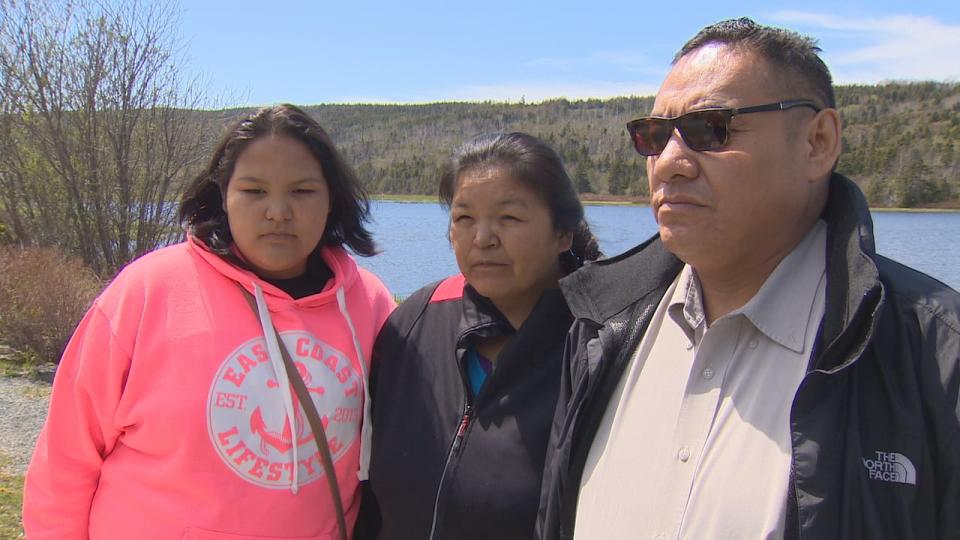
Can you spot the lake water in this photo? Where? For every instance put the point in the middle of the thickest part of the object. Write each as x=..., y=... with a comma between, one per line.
x=415, y=251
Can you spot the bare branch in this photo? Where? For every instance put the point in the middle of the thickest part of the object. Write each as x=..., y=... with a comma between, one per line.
x=100, y=125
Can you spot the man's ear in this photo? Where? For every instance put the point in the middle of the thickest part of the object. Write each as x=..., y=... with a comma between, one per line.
x=824, y=144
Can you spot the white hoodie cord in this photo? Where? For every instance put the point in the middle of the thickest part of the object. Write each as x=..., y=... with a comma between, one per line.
x=366, y=429
x=276, y=359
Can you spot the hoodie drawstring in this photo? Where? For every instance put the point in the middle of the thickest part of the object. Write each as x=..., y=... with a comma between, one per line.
x=366, y=428
x=276, y=359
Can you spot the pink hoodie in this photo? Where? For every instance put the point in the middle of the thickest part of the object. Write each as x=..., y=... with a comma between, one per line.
x=171, y=419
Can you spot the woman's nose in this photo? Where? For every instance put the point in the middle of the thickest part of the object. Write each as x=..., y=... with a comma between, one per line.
x=279, y=209
x=485, y=236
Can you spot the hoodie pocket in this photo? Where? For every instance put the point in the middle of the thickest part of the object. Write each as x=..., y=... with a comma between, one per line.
x=194, y=533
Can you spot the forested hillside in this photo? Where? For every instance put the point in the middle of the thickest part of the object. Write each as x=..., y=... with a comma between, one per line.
x=400, y=148
x=901, y=141
x=101, y=183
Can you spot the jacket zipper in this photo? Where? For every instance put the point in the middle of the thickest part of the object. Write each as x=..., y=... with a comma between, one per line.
x=455, y=446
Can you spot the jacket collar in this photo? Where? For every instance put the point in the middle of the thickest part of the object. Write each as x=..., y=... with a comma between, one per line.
x=481, y=317
x=600, y=290
x=854, y=292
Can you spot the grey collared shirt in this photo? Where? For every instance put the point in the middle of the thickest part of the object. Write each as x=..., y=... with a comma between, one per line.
x=695, y=442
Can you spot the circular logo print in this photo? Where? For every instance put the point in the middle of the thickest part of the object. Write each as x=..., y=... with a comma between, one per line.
x=247, y=417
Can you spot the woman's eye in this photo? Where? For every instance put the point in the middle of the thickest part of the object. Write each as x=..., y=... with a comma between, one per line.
x=510, y=218
x=302, y=191
x=252, y=191
x=461, y=218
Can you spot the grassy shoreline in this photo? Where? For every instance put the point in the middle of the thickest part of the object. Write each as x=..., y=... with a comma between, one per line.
x=915, y=210
x=404, y=198
x=594, y=200
x=430, y=199
x=11, y=498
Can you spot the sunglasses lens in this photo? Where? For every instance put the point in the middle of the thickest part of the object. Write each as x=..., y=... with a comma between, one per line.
x=705, y=130
x=650, y=135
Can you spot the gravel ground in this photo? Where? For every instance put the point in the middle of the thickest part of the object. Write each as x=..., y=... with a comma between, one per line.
x=23, y=407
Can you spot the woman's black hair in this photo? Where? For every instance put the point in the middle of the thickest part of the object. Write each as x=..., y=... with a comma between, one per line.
x=530, y=161
x=202, y=211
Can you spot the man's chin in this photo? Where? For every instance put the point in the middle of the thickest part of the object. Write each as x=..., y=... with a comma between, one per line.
x=684, y=243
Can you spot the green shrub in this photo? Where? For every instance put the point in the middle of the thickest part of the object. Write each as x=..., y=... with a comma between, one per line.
x=43, y=295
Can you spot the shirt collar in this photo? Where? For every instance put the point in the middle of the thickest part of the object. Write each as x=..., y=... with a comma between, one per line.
x=686, y=304
x=780, y=309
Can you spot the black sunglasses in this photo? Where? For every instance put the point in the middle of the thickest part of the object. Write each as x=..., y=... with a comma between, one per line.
x=706, y=129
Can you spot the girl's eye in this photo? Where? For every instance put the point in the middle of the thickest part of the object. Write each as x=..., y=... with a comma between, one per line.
x=510, y=218
x=304, y=190
x=252, y=191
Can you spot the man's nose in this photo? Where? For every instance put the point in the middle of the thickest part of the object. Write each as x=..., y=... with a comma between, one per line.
x=676, y=162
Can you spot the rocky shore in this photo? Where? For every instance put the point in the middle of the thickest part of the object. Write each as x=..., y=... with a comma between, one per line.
x=24, y=407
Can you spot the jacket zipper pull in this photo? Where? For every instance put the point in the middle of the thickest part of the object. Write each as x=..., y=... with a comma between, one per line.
x=462, y=430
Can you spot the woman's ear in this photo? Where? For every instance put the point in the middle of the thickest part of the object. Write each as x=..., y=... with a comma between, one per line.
x=223, y=194
x=566, y=241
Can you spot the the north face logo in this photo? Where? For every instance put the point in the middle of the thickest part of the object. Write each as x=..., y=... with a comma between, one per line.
x=891, y=467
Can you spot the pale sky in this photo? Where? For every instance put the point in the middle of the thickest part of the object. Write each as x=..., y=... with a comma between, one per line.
x=255, y=53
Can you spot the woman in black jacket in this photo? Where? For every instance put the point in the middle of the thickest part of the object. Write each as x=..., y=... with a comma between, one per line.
x=466, y=371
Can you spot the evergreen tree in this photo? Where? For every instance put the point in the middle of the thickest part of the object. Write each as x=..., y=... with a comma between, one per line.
x=582, y=181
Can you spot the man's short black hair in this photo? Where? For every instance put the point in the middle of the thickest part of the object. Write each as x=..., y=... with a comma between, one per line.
x=797, y=55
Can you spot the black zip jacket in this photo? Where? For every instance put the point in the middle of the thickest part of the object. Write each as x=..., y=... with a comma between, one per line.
x=444, y=465
x=875, y=422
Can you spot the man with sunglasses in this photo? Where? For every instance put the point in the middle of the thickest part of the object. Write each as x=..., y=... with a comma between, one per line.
x=756, y=370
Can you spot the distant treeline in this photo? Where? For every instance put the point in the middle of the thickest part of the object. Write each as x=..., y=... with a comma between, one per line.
x=901, y=140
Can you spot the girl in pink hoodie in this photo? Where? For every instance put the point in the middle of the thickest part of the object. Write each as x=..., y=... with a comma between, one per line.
x=172, y=415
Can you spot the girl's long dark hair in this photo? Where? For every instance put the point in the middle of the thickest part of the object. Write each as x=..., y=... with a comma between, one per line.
x=202, y=211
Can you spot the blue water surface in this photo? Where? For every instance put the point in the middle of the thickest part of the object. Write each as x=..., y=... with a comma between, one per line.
x=415, y=250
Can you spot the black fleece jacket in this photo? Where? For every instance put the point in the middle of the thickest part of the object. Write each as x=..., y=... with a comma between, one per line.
x=445, y=465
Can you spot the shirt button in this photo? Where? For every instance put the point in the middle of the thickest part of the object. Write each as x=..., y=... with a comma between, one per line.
x=660, y=537
x=753, y=343
x=707, y=373
x=689, y=345
x=684, y=454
